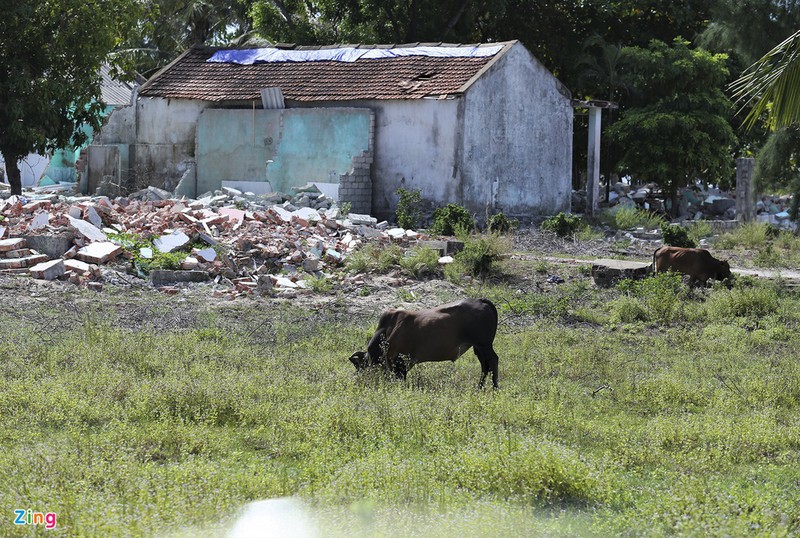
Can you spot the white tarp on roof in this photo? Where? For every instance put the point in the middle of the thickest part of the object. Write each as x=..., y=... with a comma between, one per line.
x=345, y=54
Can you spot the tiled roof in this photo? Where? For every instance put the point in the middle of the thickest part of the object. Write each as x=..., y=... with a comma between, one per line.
x=407, y=77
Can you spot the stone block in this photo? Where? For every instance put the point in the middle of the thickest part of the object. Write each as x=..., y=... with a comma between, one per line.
x=607, y=273
x=22, y=263
x=161, y=277
x=171, y=242
x=54, y=245
x=99, y=253
x=49, y=270
x=15, y=243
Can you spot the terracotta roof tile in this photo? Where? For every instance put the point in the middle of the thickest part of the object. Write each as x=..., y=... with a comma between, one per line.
x=408, y=77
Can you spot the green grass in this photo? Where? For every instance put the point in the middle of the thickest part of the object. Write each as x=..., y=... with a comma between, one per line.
x=684, y=422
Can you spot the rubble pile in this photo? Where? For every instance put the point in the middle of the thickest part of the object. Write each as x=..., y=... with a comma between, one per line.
x=242, y=242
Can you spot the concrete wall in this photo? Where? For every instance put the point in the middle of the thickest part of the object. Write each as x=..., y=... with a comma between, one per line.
x=314, y=144
x=516, y=150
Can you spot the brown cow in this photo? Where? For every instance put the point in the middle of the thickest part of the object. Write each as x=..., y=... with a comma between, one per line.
x=698, y=263
x=405, y=338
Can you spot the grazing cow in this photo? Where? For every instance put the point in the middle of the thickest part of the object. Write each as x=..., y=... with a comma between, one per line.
x=405, y=338
x=698, y=263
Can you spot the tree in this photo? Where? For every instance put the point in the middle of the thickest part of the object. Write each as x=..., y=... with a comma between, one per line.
x=169, y=27
x=771, y=88
x=311, y=22
x=51, y=52
x=675, y=129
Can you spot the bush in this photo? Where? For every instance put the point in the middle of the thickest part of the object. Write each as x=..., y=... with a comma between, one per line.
x=501, y=224
x=451, y=219
x=676, y=236
x=659, y=298
x=627, y=217
x=419, y=262
x=408, y=213
x=563, y=224
x=478, y=258
x=752, y=235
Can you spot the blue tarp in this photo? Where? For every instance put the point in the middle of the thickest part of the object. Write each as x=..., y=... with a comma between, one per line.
x=345, y=54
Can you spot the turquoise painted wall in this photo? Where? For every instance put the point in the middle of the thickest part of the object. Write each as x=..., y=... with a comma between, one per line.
x=314, y=144
x=62, y=163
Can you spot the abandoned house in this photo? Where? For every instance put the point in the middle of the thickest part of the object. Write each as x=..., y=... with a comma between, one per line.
x=485, y=126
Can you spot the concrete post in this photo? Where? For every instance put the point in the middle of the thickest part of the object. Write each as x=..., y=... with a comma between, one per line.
x=745, y=191
x=593, y=162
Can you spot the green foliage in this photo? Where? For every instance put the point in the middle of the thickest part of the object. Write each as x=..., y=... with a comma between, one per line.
x=752, y=235
x=420, y=262
x=699, y=230
x=623, y=217
x=754, y=302
x=563, y=224
x=676, y=236
x=675, y=128
x=658, y=299
x=500, y=223
x=319, y=284
x=408, y=213
x=479, y=258
x=55, y=50
x=452, y=219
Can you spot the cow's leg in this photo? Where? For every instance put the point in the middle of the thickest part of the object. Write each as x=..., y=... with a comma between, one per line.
x=489, y=360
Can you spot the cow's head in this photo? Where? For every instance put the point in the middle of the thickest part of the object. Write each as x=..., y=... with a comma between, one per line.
x=360, y=360
x=723, y=270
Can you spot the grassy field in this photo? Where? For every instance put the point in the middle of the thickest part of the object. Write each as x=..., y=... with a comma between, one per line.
x=648, y=409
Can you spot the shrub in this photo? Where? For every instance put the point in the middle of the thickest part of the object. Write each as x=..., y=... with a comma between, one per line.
x=501, y=224
x=408, y=213
x=676, y=236
x=749, y=235
x=563, y=224
x=627, y=217
x=419, y=262
x=452, y=218
x=660, y=299
x=748, y=302
x=479, y=256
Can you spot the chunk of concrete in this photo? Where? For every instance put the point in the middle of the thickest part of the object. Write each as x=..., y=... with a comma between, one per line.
x=607, y=273
x=77, y=266
x=366, y=220
x=171, y=242
x=87, y=230
x=55, y=245
x=207, y=254
x=161, y=277
x=94, y=217
x=15, y=243
x=39, y=221
x=49, y=270
x=99, y=253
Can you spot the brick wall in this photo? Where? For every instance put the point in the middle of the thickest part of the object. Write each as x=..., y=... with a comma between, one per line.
x=356, y=185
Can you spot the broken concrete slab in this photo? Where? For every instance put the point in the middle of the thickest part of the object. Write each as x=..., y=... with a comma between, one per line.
x=86, y=229
x=207, y=254
x=39, y=221
x=49, y=270
x=55, y=245
x=171, y=242
x=77, y=266
x=161, y=277
x=607, y=273
x=22, y=263
x=94, y=217
x=367, y=220
x=15, y=243
x=99, y=252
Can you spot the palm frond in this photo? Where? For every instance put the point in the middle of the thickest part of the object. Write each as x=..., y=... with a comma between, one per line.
x=772, y=85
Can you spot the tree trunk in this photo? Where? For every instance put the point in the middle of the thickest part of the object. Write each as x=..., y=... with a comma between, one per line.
x=12, y=171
